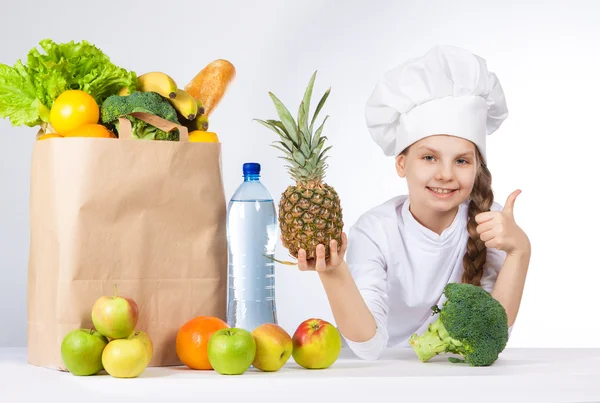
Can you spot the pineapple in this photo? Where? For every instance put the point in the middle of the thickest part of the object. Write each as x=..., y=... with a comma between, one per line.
x=309, y=212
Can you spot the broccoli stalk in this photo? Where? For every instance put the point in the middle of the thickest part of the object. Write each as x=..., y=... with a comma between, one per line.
x=471, y=323
x=435, y=340
x=116, y=106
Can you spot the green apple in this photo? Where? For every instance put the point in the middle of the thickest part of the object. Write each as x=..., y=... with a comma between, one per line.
x=273, y=347
x=145, y=339
x=115, y=317
x=81, y=351
x=125, y=358
x=317, y=344
x=231, y=351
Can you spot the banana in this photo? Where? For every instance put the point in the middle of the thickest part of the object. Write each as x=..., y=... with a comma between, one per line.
x=159, y=83
x=202, y=123
x=124, y=91
x=185, y=104
x=201, y=109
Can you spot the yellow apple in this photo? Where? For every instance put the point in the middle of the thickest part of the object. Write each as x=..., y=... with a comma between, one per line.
x=145, y=339
x=125, y=358
x=273, y=347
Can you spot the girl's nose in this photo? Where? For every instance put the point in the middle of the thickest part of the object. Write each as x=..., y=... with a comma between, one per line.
x=445, y=173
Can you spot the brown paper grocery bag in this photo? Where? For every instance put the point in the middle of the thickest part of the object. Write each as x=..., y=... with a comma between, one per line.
x=148, y=216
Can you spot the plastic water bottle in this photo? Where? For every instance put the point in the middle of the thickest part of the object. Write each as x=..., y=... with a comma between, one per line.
x=251, y=235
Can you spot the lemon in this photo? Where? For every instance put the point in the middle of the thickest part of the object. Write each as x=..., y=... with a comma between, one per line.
x=198, y=136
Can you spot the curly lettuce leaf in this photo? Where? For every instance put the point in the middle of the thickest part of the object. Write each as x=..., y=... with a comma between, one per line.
x=27, y=92
x=18, y=100
x=83, y=67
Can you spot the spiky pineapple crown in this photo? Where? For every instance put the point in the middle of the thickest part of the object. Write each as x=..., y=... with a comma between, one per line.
x=302, y=149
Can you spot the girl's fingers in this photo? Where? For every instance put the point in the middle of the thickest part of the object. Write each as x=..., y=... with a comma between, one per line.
x=320, y=264
x=486, y=216
x=302, y=260
x=486, y=226
x=491, y=244
x=487, y=236
x=334, y=259
x=344, y=244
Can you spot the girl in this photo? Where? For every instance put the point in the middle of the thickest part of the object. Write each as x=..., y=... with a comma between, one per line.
x=433, y=114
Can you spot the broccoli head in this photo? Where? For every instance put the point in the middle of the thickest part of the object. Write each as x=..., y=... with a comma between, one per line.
x=116, y=106
x=471, y=323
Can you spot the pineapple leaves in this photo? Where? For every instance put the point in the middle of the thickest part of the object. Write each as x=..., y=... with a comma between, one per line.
x=280, y=149
x=299, y=157
x=286, y=118
x=306, y=102
x=305, y=150
x=317, y=136
x=322, y=156
x=302, y=123
x=286, y=144
x=319, y=147
x=308, y=93
x=319, y=106
x=302, y=147
x=269, y=126
x=288, y=159
x=276, y=126
x=277, y=123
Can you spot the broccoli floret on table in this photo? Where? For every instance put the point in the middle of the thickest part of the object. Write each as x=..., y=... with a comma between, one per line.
x=471, y=323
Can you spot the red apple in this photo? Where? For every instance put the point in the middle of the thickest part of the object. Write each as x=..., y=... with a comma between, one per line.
x=317, y=344
x=115, y=317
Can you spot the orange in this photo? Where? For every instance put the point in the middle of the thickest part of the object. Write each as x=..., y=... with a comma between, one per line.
x=49, y=136
x=90, y=130
x=198, y=136
x=191, y=344
x=72, y=109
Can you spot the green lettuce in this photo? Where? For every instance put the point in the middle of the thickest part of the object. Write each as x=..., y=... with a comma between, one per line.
x=27, y=92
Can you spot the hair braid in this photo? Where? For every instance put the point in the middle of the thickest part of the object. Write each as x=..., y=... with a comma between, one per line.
x=482, y=199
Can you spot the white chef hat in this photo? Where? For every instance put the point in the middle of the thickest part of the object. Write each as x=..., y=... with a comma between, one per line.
x=447, y=91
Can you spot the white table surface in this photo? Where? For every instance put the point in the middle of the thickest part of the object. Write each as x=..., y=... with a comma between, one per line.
x=527, y=375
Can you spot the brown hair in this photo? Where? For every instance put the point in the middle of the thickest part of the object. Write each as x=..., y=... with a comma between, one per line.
x=482, y=199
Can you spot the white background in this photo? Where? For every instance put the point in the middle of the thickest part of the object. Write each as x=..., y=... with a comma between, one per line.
x=546, y=55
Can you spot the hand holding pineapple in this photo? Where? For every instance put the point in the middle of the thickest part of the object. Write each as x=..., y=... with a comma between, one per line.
x=310, y=212
x=320, y=264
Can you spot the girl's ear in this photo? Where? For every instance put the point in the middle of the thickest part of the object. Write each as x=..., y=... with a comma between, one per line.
x=400, y=161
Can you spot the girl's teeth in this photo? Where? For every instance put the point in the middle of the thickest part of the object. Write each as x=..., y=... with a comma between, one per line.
x=442, y=191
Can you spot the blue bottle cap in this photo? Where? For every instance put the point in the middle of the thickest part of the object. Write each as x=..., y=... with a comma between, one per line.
x=251, y=168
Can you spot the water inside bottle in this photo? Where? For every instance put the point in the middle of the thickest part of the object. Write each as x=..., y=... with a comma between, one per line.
x=252, y=233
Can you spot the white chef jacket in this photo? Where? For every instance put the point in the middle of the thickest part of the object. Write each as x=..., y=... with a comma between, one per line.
x=401, y=268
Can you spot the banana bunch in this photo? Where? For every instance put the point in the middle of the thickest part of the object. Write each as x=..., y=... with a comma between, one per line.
x=189, y=110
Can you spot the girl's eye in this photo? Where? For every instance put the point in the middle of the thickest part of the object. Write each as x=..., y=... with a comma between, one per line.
x=428, y=158
x=462, y=161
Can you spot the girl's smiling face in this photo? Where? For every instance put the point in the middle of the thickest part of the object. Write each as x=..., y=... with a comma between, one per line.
x=440, y=172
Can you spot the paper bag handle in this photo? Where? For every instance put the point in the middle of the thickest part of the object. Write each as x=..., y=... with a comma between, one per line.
x=156, y=121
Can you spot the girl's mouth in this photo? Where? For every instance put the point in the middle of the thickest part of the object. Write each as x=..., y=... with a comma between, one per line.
x=441, y=192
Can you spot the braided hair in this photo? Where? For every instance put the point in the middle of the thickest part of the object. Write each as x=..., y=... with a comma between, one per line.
x=482, y=199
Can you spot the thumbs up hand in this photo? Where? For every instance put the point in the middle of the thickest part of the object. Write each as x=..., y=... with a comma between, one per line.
x=499, y=230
